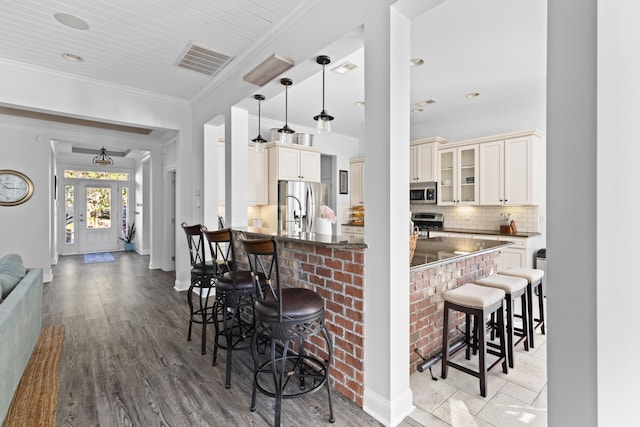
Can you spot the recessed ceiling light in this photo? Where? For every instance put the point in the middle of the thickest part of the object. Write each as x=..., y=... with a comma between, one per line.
x=73, y=58
x=427, y=102
x=359, y=103
x=416, y=62
x=71, y=21
x=417, y=110
x=344, y=68
x=471, y=95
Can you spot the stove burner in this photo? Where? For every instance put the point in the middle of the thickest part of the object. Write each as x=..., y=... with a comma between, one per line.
x=427, y=221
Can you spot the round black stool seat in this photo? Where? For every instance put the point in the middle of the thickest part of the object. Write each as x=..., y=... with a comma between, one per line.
x=297, y=304
x=244, y=282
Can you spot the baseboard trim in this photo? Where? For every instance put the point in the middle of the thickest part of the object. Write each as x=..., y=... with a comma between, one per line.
x=181, y=286
x=389, y=413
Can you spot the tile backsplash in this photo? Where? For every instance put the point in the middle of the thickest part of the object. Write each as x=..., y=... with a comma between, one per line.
x=484, y=217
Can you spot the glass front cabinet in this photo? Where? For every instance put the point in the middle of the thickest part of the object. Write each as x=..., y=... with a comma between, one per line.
x=458, y=176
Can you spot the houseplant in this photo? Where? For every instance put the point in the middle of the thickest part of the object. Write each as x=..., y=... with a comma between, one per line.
x=128, y=236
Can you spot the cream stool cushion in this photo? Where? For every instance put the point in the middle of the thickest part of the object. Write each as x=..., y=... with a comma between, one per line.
x=509, y=284
x=474, y=296
x=531, y=274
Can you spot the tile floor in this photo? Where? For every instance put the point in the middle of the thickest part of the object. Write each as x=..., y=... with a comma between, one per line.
x=518, y=398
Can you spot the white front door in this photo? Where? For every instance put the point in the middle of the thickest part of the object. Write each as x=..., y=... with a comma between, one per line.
x=98, y=217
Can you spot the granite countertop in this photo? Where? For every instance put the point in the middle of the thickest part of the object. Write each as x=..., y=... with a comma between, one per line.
x=440, y=250
x=489, y=232
x=348, y=224
x=315, y=238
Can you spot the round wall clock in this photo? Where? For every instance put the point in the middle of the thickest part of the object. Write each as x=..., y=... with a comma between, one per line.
x=15, y=188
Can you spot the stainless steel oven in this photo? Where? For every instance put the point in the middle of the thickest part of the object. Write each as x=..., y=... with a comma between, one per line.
x=422, y=192
x=426, y=221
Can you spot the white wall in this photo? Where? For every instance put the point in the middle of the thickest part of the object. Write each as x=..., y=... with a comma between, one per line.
x=26, y=228
x=617, y=154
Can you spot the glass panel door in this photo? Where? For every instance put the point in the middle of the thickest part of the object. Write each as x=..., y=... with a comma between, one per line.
x=97, y=222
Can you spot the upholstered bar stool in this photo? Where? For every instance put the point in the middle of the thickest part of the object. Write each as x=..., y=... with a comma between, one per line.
x=202, y=282
x=286, y=317
x=514, y=288
x=475, y=302
x=534, y=278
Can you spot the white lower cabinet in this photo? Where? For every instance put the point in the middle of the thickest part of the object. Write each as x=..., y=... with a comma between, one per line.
x=513, y=256
x=352, y=231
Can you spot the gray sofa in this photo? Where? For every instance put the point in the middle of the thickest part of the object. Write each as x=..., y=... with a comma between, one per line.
x=20, y=325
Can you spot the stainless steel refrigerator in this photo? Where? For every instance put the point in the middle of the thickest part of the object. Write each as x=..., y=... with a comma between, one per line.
x=299, y=205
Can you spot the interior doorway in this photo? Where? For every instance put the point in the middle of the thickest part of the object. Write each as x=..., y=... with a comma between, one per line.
x=328, y=172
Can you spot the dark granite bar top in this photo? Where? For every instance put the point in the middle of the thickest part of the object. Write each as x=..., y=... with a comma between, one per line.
x=489, y=232
x=315, y=238
x=440, y=250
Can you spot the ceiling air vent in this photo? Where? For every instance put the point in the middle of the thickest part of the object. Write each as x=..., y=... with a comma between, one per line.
x=203, y=60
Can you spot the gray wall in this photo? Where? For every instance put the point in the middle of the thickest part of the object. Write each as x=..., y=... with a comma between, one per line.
x=571, y=244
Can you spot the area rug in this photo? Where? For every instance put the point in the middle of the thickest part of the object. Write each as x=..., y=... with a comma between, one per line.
x=35, y=400
x=98, y=257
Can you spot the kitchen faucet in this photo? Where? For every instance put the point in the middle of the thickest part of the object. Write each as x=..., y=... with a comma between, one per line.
x=297, y=219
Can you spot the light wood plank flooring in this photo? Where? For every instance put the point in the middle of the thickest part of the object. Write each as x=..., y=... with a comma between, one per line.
x=126, y=359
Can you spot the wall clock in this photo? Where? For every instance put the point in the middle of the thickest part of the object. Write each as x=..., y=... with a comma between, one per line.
x=15, y=188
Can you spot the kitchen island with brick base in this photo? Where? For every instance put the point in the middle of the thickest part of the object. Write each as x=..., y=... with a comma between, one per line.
x=438, y=265
x=333, y=266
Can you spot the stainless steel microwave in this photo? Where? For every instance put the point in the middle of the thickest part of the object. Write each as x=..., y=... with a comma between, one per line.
x=422, y=192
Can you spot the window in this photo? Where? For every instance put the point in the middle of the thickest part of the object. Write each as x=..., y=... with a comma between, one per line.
x=98, y=207
x=69, y=227
x=113, y=176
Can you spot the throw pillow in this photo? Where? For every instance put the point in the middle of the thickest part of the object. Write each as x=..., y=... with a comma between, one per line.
x=11, y=272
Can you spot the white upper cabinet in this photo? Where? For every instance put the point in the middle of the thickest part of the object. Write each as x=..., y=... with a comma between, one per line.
x=423, y=163
x=356, y=168
x=257, y=190
x=294, y=163
x=458, y=175
x=509, y=169
x=291, y=163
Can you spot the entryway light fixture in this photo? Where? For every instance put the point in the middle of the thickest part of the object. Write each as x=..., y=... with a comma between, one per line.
x=323, y=119
x=286, y=82
x=259, y=140
x=102, y=158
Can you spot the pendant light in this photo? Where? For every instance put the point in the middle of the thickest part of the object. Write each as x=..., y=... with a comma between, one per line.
x=286, y=131
x=259, y=140
x=102, y=158
x=324, y=118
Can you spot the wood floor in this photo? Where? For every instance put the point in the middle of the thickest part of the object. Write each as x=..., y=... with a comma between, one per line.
x=126, y=359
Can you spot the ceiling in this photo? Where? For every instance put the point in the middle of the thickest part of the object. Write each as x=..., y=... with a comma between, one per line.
x=495, y=47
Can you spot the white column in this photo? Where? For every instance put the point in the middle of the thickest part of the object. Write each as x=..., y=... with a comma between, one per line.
x=211, y=165
x=237, y=158
x=387, y=395
x=617, y=157
x=572, y=223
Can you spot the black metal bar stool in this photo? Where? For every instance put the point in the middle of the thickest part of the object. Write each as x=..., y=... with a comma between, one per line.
x=202, y=282
x=514, y=288
x=285, y=318
x=234, y=302
x=475, y=302
x=534, y=278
